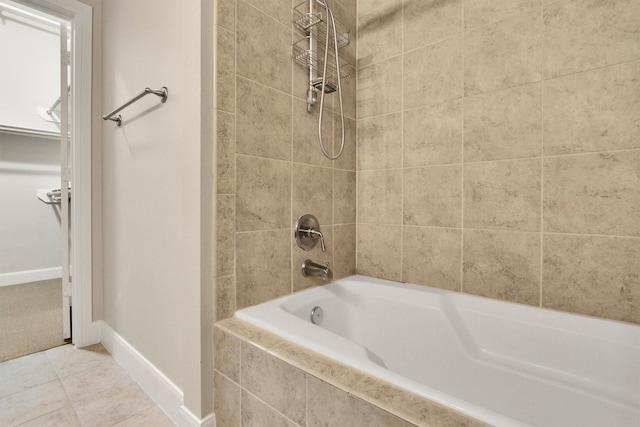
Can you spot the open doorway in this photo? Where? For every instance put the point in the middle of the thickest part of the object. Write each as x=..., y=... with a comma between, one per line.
x=44, y=153
x=34, y=221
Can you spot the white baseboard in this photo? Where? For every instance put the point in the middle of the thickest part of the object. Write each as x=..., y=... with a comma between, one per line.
x=20, y=277
x=158, y=386
x=192, y=420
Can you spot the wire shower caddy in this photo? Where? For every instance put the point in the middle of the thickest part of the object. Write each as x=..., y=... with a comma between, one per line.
x=308, y=53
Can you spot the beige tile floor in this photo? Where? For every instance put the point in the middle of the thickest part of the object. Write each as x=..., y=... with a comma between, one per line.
x=70, y=387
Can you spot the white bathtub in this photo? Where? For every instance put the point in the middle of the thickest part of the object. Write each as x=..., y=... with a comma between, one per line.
x=502, y=363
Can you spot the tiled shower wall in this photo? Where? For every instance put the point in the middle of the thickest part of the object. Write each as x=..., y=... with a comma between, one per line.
x=270, y=170
x=499, y=149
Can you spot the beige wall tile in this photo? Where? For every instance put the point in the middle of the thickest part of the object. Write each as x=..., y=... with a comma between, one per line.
x=433, y=135
x=380, y=34
x=478, y=13
x=226, y=403
x=225, y=70
x=306, y=148
x=433, y=74
x=227, y=354
x=502, y=265
x=505, y=124
x=316, y=255
x=380, y=196
x=379, y=249
x=225, y=297
x=227, y=14
x=269, y=113
x=380, y=142
x=225, y=153
x=263, y=59
x=263, y=194
x=277, y=9
x=312, y=193
x=344, y=250
x=432, y=257
x=594, y=194
x=300, y=76
x=263, y=266
x=593, y=111
x=503, y=55
x=581, y=35
x=432, y=196
x=344, y=197
x=426, y=22
x=225, y=247
x=350, y=6
x=366, y=6
x=275, y=382
x=347, y=160
x=256, y=413
x=503, y=195
x=379, y=88
x=596, y=276
x=330, y=406
x=349, y=95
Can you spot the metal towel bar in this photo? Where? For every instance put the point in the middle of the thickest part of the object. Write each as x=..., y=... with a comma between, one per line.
x=162, y=93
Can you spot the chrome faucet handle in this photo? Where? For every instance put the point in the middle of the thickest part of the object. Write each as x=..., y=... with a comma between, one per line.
x=319, y=234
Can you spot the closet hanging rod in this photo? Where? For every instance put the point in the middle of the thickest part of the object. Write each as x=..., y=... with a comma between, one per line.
x=162, y=93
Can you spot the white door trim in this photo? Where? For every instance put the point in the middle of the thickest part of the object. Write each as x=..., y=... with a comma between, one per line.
x=85, y=330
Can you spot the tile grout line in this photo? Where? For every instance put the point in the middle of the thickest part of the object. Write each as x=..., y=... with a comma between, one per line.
x=542, y=62
x=234, y=285
x=402, y=182
x=291, y=187
x=357, y=136
x=462, y=159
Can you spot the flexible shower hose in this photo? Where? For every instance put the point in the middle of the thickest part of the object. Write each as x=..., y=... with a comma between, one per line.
x=324, y=83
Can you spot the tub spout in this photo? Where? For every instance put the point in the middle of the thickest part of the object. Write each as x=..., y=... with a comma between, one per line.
x=310, y=268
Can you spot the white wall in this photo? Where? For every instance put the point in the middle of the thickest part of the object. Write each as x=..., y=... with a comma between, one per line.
x=152, y=185
x=33, y=72
x=29, y=229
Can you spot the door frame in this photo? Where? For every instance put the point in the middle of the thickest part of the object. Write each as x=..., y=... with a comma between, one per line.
x=86, y=331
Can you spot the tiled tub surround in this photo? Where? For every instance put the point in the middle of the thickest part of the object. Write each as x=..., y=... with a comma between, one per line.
x=270, y=170
x=499, y=149
x=503, y=363
x=262, y=379
x=500, y=132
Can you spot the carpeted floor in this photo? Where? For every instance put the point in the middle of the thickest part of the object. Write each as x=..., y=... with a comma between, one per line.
x=30, y=318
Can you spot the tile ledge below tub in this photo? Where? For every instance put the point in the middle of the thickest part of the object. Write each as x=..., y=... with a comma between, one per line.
x=391, y=398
